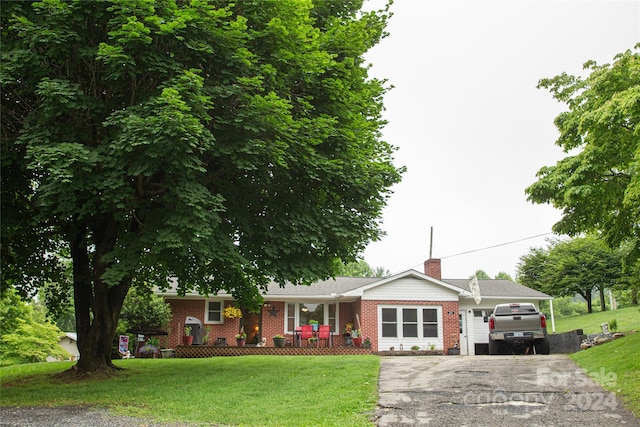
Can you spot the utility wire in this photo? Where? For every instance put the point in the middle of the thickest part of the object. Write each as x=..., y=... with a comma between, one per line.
x=496, y=246
x=481, y=249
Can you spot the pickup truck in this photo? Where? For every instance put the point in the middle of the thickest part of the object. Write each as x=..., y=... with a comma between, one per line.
x=517, y=328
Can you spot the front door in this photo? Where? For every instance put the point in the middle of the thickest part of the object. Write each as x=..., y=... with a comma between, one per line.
x=252, y=326
x=462, y=320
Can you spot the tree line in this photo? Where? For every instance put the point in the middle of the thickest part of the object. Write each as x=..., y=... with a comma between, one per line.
x=584, y=266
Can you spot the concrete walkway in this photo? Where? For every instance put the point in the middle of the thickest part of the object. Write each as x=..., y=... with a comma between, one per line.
x=495, y=391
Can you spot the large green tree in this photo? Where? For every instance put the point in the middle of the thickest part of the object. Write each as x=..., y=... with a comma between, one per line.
x=219, y=143
x=580, y=265
x=598, y=185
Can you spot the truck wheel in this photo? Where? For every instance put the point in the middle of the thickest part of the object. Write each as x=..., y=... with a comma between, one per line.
x=493, y=347
x=543, y=347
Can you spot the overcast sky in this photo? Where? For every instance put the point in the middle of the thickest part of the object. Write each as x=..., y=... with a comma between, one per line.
x=470, y=125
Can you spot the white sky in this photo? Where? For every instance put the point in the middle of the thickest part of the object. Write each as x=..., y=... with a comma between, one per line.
x=470, y=125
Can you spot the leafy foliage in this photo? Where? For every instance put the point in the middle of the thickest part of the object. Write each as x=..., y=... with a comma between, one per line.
x=222, y=144
x=503, y=276
x=360, y=268
x=25, y=336
x=575, y=266
x=481, y=275
x=144, y=310
x=598, y=187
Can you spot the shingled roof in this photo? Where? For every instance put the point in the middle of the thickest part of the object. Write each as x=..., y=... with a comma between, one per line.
x=341, y=285
x=500, y=288
x=337, y=286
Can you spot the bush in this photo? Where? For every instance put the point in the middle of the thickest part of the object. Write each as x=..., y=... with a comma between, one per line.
x=25, y=335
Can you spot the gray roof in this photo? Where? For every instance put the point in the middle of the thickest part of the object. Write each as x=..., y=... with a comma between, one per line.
x=499, y=288
x=337, y=286
x=341, y=285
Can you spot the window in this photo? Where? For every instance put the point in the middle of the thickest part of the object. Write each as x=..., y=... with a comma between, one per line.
x=291, y=317
x=333, y=317
x=389, y=322
x=308, y=312
x=300, y=314
x=429, y=322
x=409, y=322
x=507, y=310
x=214, y=312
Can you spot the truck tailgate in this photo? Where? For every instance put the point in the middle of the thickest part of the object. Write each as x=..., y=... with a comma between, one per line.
x=517, y=322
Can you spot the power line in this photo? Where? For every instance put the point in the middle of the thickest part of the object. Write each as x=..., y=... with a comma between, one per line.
x=496, y=246
x=478, y=250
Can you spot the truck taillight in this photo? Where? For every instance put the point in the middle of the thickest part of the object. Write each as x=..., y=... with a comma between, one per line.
x=543, y=321
x=492, y=323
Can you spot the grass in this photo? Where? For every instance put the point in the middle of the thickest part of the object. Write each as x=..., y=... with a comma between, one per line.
x=627, y=318
x=615, y=365
x=247, y=391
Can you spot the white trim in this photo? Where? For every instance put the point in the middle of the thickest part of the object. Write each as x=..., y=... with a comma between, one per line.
x=407, y=342
x=325, y=314
x=206, y=312
x=359, y=292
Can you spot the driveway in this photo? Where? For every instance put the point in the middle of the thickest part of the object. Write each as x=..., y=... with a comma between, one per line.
x=495, y=391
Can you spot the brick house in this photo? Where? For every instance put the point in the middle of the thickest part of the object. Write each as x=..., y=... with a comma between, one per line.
x=400, y=311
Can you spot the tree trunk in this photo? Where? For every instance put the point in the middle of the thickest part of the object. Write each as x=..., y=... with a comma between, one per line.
x=587, y=297
x=97, y=304
x=603, y=301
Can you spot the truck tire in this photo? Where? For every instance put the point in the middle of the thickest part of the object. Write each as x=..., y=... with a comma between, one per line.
x=493, y=347
x=543, y=346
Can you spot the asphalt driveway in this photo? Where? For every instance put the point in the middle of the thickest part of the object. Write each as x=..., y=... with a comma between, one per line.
x=495, y=391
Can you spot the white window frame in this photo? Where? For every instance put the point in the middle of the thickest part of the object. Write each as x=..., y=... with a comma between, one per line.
x=296, y=322
x=400, y=321
x=206, y=313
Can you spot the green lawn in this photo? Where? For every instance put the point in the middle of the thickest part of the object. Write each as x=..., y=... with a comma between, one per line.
x=615, y=365
x=627, y=318
x=249, y=390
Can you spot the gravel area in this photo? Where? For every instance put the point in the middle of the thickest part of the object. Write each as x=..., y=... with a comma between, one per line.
x=72, y=416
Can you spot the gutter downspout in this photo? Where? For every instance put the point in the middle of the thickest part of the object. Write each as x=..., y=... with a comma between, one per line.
x=553, y=320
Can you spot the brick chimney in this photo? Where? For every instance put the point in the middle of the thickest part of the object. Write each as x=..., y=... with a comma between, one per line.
x=432, y=268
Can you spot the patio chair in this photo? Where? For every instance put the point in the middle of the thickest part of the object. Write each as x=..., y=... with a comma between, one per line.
x=306, y=332
x=324, y=333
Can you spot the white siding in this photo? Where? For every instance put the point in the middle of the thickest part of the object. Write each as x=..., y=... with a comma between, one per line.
x=477, y=330
x=480, y=328
x=410, y=288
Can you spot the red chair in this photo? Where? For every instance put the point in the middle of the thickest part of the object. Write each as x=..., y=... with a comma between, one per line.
x=324, y=333
x=306, y=333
